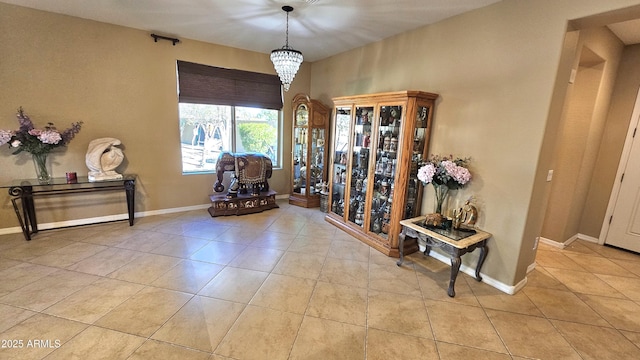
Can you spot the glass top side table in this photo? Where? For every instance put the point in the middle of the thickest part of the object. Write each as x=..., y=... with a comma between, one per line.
x=454, y=248
x=24, y=190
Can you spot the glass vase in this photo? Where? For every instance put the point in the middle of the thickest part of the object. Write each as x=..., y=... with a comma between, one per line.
x=43, y=168
x=441, y=195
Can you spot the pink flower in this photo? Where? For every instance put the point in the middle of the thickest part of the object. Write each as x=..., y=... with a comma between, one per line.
x=37, y=141
x=425, y=173
x=460, y=174
x=5, y=136
x=50, y=137
x=450, y=171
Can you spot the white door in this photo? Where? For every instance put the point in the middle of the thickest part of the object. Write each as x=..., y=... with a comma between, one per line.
x=624, y=229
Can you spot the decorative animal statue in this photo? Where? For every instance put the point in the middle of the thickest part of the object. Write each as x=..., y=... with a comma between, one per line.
x=250, y=169
x=434, y=219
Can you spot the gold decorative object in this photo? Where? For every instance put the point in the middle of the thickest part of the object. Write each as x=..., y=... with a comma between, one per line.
x=457, y=218
x=470, y=214
x=466, y=215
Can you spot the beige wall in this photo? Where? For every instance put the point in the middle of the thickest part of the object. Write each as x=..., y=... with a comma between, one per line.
x=121, y=84
x=495, y=70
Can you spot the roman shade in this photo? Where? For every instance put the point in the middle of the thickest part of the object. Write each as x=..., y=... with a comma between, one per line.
x=203, y=84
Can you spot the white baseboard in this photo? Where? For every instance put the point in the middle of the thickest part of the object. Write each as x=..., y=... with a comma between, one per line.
x=61, y=224
x=11, y=230
x=562, y=245
x=102, y=219
x=485, y=279
x=519, y=286
x=588, y=238
x=552, y=243
x=172, y=210
x=531, y=267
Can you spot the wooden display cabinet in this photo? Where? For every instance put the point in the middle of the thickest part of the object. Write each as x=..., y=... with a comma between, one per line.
x=310, y=130
x=378, y=142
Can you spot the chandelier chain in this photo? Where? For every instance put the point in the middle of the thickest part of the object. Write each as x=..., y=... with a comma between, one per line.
x=287, y=38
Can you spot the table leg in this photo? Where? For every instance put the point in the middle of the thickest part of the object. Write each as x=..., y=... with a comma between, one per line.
x=130, y=189
x=29, y=209
x=23, y=225
x=401, y=248
x=455, y=267
x=19, y=192
x=484, y=250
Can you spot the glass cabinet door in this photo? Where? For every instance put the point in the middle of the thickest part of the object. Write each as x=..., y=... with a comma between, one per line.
x=360, y=165
x=414, y=186
x=316, y=161
x=339, y=166
x=300, y=132
x=388, y=132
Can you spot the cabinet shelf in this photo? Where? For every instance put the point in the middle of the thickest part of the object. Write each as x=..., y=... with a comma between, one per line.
x=377, y=142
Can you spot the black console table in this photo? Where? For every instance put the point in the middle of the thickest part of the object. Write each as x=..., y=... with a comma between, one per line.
x=454, y=242
x=27, y=190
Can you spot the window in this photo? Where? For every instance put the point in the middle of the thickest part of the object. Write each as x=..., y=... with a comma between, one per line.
x=206, y=130
x=226, y=110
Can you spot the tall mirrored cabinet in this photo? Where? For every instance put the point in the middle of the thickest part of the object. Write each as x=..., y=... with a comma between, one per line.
x=378, y=140
x=310, y=132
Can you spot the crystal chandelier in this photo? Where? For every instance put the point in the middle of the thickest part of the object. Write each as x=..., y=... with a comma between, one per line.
x=286, y=60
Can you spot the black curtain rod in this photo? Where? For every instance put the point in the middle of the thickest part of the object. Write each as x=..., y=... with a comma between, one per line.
x=173, y=40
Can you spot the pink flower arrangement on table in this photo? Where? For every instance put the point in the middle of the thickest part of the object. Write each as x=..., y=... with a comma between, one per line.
x=444, y=173
x=36, y=141
x=449, y=171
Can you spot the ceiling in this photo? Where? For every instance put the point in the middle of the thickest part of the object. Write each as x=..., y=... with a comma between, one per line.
x=318, y=28
x=627, y=31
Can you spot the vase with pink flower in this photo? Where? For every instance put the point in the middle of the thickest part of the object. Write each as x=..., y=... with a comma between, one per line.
x=445, y=173
x=38, y=142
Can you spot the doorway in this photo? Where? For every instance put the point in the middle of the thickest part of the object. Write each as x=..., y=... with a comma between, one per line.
x=576, y=149
x=596, y=223
x=582, y=155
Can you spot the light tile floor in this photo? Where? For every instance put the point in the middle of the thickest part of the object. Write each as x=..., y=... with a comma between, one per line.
x=284, y=284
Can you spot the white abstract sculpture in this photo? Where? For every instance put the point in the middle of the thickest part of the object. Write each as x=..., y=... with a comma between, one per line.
x=102, y=158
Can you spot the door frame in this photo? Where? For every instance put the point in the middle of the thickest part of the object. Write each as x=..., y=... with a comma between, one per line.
x=624, y=157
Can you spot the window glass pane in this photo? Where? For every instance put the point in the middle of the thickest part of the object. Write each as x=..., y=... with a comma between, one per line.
x=257, y=131
x=205, y=131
